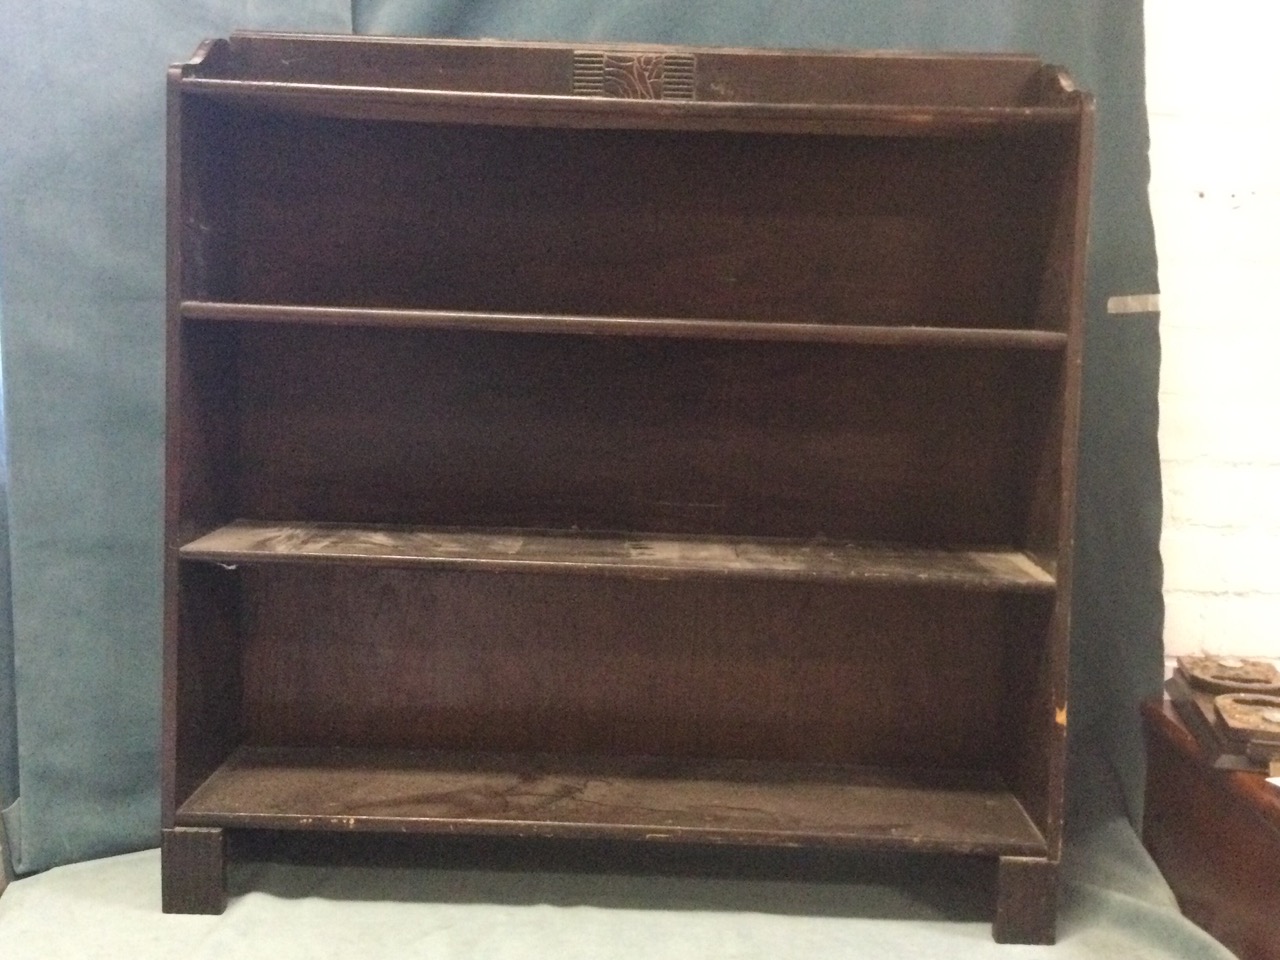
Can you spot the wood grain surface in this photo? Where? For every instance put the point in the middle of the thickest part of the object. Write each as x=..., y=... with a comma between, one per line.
x=755, y=669
x=562, y=552
x=526, y=795
x=864, y=230
x=927, y=448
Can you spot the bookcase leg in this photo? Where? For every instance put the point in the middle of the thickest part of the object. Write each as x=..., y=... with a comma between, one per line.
x=193, y=870
x=1026, y=900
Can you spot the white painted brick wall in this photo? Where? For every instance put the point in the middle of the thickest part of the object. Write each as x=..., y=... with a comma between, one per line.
x=1215, y=197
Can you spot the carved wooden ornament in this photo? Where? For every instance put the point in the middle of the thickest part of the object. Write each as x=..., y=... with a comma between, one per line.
x=638, y=76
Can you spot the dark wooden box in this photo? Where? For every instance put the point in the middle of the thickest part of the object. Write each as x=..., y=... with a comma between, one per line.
x=674, y=445
x=1215, y=834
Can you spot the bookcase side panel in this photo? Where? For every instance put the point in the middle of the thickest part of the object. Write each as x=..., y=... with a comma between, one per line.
x=201, y=670
x=1038, y=757
x=204, y=681
x=1027, y=722
x=207, y=681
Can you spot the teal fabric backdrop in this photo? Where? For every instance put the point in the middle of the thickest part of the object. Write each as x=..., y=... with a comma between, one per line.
x=81, y=221
x=8, y=698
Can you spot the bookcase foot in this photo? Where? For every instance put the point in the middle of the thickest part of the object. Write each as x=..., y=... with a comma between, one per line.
x=193, y=870
x=1026, y=900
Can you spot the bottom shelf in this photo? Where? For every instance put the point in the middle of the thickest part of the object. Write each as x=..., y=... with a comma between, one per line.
x=642, y=799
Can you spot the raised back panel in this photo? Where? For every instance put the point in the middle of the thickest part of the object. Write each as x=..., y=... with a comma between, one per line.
x=723, y=74
x=906, y=230
x=926, y=447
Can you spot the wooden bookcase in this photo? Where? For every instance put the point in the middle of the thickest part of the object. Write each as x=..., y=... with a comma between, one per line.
x=674, y=445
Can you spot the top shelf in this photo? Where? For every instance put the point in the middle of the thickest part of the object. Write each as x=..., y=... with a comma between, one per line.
x=634, y=86
x=675, y=327
x=532, y=110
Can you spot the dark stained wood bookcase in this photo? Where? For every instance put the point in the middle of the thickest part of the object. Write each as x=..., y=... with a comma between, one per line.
x=668, y=445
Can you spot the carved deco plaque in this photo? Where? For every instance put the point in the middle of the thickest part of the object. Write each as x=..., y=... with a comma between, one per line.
x=633, y=76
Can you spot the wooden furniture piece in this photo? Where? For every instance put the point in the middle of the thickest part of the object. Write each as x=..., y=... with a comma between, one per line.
x=1215, y=834
x=674, y=445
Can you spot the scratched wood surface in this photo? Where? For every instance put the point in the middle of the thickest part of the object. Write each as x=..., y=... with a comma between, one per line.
x=551, y=552
x=331, y=789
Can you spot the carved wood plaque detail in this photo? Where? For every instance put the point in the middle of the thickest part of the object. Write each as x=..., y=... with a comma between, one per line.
x=634, y=76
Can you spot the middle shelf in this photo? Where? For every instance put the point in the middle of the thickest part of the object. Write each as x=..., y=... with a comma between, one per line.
x=619, y=555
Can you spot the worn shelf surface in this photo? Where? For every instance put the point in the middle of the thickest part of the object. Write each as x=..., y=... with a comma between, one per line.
x=549, y=552
x=678, y=327
x=723, y=801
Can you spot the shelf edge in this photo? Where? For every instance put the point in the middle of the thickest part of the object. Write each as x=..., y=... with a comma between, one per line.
x=669, y=327
x=395, y=780
x=648, y=557
x=542, y=109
